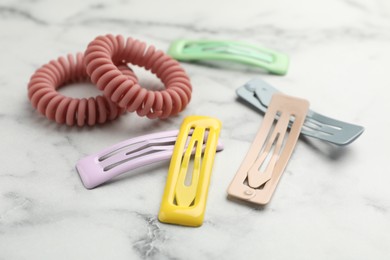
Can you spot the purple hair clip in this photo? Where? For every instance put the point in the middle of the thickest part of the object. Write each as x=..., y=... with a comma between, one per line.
x=128, y=155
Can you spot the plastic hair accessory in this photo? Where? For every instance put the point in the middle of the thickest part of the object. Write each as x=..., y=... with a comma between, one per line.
x=42, y=92
x=185, y=194
x=105, y=52
x=270, y=152
x=258, y=93
x=128, y=155
x=249, y=54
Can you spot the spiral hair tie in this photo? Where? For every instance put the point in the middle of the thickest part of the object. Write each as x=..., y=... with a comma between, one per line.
x=105, y=52
x=42, y=92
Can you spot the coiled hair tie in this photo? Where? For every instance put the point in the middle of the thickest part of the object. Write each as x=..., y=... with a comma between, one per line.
x=42, y=92
x=105, y=52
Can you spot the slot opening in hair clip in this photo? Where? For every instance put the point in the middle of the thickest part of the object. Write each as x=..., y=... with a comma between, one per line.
x=233, y=48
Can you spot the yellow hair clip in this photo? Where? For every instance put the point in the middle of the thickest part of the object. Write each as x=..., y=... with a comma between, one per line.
x=185, y=194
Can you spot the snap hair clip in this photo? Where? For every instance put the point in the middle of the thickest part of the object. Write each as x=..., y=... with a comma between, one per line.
x=260, y=171
x=186, y=190
x=235, y=51
x=258, y=93
x=100, y=167
x=101, y=57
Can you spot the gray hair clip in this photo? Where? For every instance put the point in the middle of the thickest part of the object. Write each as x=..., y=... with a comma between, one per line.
x=259, y=93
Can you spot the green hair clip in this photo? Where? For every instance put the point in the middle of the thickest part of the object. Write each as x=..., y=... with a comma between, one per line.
x=250, y=54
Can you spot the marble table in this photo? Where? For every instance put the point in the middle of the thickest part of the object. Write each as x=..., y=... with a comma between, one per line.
x=331, y=203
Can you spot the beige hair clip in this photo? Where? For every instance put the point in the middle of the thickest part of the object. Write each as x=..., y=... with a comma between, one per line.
x=270, y=152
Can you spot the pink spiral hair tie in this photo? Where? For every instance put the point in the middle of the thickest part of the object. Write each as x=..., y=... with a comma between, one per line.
x=105, y=51
x=42, y=92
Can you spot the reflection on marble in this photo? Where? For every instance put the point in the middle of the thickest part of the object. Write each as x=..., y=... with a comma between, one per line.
x=331, y=203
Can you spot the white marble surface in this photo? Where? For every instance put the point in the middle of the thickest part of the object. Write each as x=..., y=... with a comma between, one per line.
x=332, y=203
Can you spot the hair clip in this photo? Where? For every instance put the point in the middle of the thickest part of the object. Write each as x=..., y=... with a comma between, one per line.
x=259, y=173
x=250, y=54
x=185, y=193
x=128, y=155
x=258, y=93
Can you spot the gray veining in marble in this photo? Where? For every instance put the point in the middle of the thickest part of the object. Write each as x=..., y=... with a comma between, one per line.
x=331, y=203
